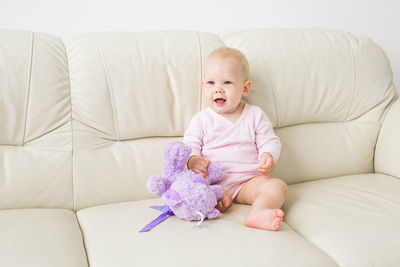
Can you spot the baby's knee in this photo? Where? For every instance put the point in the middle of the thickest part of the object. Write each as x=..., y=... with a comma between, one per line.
x=282, y=186
x=273, y=184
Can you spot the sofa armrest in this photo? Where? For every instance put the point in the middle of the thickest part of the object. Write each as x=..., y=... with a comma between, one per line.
x=387, y=151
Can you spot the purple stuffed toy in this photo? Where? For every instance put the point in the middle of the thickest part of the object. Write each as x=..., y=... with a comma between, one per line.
x=190, y=196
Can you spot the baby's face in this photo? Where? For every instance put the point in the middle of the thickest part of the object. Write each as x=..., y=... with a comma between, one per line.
x=224, y=84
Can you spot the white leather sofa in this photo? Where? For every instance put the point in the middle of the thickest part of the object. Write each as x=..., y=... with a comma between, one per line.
x=84, y=119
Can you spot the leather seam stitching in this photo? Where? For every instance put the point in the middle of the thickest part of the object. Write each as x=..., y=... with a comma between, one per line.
x=29, y=78
x=354, y=75
x=72, y=126
x=110, y=91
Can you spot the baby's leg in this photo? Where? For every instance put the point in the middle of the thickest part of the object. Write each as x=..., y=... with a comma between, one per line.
x=266, y=195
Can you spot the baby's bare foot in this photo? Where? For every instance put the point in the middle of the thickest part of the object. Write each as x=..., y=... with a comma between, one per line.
x=267, y=219
x=224, y=203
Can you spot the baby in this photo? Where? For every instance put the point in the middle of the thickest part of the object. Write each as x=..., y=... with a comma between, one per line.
x=239, y=136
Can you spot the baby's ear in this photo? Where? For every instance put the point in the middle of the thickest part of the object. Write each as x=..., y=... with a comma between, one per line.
x=246, y=88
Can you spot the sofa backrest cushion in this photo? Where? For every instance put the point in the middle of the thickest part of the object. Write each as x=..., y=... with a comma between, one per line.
x=35, y=116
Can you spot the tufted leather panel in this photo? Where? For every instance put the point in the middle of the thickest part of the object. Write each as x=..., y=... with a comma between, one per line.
x=35, y=119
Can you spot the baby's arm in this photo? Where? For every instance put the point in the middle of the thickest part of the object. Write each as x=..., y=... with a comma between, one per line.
x=193, y=137
x=268, y=144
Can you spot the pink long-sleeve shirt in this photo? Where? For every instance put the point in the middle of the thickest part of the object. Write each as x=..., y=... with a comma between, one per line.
x=237, y=145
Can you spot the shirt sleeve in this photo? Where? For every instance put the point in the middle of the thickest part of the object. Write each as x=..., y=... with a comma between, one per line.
x=266, y=140
x=193, y=136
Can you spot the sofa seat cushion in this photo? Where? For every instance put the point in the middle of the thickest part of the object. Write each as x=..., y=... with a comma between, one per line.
x=353, y=219
x=112, y=239
x=40, y=237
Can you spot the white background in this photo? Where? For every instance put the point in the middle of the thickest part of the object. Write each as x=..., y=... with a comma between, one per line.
x=377, y=19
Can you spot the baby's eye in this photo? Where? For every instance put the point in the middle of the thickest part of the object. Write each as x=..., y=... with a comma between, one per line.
x=210, y=82
x=228, y=82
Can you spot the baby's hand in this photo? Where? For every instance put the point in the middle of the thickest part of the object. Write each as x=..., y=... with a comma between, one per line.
x=267, y=164
x=198, y=165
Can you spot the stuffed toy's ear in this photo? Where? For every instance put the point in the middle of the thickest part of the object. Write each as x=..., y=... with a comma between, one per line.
x=157, y=185
x=215, y=172
x=175, y=157
x=171, y=198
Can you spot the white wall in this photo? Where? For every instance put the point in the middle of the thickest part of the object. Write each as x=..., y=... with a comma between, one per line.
x=378, y=19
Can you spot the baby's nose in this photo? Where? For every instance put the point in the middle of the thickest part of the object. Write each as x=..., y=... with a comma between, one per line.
x=219, y=90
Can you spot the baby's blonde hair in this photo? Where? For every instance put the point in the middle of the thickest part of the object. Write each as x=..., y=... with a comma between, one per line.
x=229, y=52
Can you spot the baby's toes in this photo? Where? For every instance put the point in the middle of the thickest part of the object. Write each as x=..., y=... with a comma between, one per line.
x=276, y=223
x=220, y=206
x=278, y=213
x=227, y=201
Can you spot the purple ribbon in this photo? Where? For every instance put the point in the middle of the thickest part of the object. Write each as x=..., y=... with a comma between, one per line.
x=167, y=212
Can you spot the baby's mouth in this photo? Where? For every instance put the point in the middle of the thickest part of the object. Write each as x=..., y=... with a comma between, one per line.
x=219, y=101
